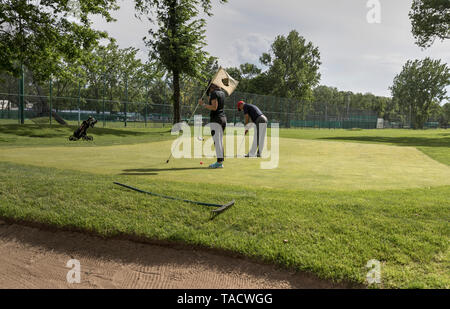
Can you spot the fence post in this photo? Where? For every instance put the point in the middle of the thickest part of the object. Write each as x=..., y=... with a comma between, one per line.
x=126, y=99
x=50, y=99
x=21, y=96
x=164, y=108
x=78, y=101
x=104, y=95
x=145, y=114
x=146, y=104
x=233, y=100
x=410, y=116
x=288, y=107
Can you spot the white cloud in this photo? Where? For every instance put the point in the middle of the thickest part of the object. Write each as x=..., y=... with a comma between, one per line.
x=247, y=49
x=355, y=55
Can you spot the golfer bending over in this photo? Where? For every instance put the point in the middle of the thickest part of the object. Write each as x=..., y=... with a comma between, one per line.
x=217, y=115
x=254, y=113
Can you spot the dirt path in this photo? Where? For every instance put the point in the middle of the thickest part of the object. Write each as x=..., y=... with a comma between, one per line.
x=35, y=258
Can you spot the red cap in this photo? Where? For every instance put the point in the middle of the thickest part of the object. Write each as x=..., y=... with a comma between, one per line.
x=239, y=104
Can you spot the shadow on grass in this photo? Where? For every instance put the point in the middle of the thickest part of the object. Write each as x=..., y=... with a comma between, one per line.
x=47, y=131
x=139, y=174
x=398, y=141
x=154, y=171
x=123, y=133
x=35, y=130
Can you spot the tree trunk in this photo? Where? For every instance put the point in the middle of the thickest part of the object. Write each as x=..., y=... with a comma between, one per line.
x=420, y=122
x=41, y=109
x=176, y=97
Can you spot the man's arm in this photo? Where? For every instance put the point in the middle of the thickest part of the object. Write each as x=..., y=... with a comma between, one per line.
x=213, y=107
x=246, y=123
x=246, y=119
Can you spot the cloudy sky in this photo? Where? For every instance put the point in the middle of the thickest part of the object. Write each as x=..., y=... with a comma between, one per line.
x=356, y=55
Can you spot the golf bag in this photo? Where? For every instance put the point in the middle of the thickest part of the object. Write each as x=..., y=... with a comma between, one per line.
x=81, y=132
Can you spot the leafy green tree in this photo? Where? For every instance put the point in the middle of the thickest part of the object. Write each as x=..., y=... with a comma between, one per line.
x=179, y=40
x=236, y=74
x=249, y=70
x=190, y=90
x=39, y=34
x=293, y=67
x=445, y=117
x=293, y=70
x=325, y=100
x=430, y=21
x=380, y=106
x=420, y=85
x=111, y=72
x=329, y=101
x=248, y=75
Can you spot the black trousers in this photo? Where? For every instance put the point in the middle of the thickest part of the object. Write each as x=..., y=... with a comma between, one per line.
x=218, y=140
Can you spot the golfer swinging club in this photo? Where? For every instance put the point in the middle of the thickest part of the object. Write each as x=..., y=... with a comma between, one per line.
x=254, y=113
x=217, y=115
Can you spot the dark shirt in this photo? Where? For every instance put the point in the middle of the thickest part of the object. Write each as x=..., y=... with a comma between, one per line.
x=253, y=111
x=220, y=96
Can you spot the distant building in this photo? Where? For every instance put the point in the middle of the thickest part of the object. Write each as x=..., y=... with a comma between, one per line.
x=8, y=105
x=4, y=104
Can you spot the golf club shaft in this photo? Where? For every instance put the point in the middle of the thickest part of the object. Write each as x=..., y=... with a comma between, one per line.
x=170, y=157
x=243, y=139
x=195, y=109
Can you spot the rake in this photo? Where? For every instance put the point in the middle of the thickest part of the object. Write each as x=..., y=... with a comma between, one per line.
x=220, y=207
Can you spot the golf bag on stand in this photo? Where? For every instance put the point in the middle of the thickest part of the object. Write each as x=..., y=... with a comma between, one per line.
x=81, y=132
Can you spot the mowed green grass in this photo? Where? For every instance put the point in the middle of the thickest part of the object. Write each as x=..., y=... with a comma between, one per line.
x=434, y=143
x=302, y=165
x=339, y=203
x=34, y=135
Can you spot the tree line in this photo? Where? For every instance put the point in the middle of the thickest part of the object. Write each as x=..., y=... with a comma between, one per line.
x=53, y=41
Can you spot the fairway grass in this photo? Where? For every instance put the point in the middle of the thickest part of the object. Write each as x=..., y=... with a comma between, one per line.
x=303, y=165
x=435, y=143
x=330, y=234
x=34, y=135
x=339, y=197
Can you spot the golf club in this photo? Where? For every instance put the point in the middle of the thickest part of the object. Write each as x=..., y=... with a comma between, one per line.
x=243, y=139
x=170, y=157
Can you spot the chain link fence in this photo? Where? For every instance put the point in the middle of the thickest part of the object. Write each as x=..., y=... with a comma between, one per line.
x=73, y=110
x=141, y=113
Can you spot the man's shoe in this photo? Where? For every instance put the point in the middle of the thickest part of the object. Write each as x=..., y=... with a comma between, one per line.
x=216, y=165
x=249, y=156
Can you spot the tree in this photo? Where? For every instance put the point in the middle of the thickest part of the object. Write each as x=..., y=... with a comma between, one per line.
x=39, y=34
x=293, y=67
x=430, y=21
x=248, y=75
x=191, y=89
x=380, y=105
x=325, y=100
x=109, y=69
x=420, y=85
x=179, y=39
x=445, y=118
x=249, y=70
